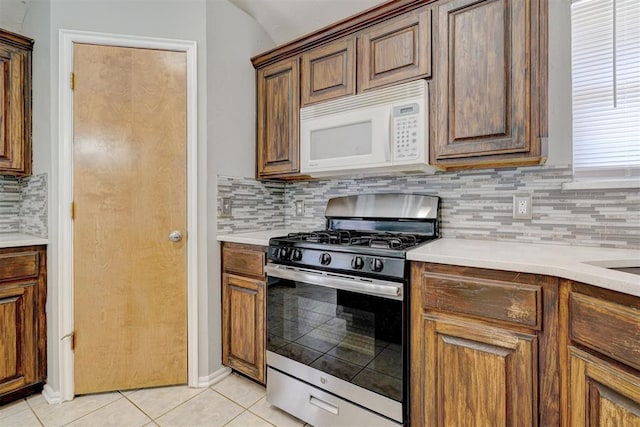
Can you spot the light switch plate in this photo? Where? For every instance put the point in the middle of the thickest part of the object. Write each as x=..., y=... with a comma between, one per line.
x=224, y=207
x=299, y=207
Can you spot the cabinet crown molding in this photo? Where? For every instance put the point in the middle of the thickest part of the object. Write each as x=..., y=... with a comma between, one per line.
x=337, y=30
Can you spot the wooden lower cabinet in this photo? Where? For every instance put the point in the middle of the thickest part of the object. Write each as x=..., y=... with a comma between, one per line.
x=478, y=375
x=22, y=321
x=243, y=310
x=601, y=393
x=483, y=347
x=603, y=357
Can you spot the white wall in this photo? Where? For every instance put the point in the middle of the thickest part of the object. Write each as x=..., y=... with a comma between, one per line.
x=560, y=116
x=232, y=38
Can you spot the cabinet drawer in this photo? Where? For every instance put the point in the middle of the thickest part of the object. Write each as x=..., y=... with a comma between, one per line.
x=243, y=259
x=508, y=302
x=21, y=265
x=607, y=327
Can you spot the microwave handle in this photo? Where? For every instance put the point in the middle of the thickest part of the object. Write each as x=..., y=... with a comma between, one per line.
x=387, y=147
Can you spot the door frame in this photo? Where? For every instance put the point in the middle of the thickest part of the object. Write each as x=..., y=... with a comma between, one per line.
x=64, y=164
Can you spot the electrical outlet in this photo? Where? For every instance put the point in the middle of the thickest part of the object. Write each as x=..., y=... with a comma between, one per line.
x=522, y=206
x=224, y=207
x=299, y=207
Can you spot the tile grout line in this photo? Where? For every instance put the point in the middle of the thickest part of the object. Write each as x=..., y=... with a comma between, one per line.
x=166, y=412
x=34, y=412
x=95, y=410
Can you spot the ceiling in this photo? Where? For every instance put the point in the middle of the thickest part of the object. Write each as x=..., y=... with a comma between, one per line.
x=285, y=20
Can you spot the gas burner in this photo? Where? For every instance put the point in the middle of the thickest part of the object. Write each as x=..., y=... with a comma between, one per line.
x=387, y=241
x=329, y=237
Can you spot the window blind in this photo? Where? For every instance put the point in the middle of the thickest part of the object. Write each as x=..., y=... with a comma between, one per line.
x=605, y=59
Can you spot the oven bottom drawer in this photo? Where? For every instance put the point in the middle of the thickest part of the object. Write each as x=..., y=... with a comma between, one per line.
x=318, y=407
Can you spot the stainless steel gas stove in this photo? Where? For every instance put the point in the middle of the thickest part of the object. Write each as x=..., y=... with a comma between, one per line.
x=337, y=311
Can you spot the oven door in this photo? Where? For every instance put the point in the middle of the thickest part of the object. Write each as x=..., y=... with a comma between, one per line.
x=340, y=333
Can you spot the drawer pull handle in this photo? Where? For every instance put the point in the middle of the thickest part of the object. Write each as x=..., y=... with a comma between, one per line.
x=323, y=405
x=8, y=300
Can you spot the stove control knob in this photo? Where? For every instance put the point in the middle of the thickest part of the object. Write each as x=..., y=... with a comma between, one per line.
x=283, y=253
x=357, y=263
x=296, y=255
x=325, y=258
x=376, y=265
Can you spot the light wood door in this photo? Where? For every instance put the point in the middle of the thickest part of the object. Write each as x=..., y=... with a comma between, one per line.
x=482, y=79
x=478, y=375
x=601, y=393
x=329, y=71
x=395, y=51
x=130, y=192
x=279, y=119
x=243, y=325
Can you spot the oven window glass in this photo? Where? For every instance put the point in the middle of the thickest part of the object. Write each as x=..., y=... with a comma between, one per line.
x=349, y=335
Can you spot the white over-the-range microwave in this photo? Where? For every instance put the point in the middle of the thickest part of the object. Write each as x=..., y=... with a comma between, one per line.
x=381, y=131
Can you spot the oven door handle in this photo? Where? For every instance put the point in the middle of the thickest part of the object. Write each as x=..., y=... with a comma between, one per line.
x=374, y=287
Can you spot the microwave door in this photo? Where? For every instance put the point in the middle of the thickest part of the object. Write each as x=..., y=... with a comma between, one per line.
x=349, y=140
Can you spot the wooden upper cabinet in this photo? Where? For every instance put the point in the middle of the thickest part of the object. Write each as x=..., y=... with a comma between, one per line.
x=485, y=81
x=15, y=104
x=329, y=72
x=395, y=50
x=278, y=119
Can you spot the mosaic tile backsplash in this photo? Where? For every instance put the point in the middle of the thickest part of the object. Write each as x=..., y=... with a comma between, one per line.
x=255, y=205
x=474, y=205
x=23, y=205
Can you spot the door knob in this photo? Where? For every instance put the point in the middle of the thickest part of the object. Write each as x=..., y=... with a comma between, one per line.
x=175, y=236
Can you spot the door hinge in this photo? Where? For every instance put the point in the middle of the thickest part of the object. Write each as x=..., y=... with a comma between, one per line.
x=72, y=80
x=73, y=210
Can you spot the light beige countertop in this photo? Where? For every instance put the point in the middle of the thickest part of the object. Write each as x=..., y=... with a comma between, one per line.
x=580, y=263
x=12, y=240
x=260, y=238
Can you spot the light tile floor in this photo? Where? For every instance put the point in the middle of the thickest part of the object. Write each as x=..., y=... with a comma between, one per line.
x=234, y=402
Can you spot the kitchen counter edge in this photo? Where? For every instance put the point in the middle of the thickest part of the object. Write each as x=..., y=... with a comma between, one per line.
x=579, y=263
x=260, y=238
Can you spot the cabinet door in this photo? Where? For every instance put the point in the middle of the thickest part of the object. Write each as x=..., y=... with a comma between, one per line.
x=15, y=104
x=482, y=79
x=278, y=119
x=395, y=51
x=18, y=337
x=243, y=308
x=477, y=375
x=329, y=72
x=602, y=394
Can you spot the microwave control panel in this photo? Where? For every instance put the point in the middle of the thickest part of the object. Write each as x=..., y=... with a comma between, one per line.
x=405, y=131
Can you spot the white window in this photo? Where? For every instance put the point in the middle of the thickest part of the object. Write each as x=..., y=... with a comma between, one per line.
x=605, y=62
